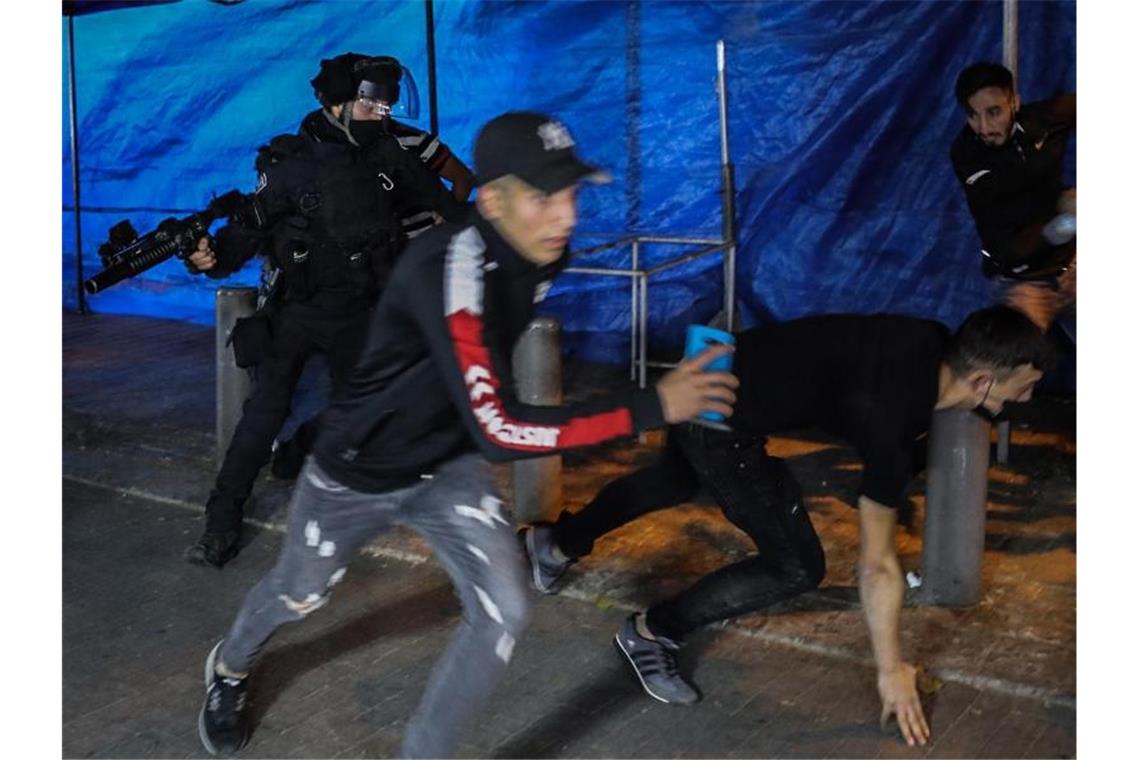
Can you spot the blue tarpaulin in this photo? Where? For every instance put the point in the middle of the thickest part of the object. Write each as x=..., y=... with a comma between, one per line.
x=841, y=116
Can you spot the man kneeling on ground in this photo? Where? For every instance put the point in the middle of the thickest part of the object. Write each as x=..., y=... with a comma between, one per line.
x=872, y=380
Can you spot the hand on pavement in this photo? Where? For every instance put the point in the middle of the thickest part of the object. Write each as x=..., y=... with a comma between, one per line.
x=898, y=689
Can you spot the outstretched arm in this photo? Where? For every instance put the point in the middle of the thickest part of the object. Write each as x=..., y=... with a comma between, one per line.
x=881, y=591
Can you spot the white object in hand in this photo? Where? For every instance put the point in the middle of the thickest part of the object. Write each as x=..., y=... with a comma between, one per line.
x=1061, y=229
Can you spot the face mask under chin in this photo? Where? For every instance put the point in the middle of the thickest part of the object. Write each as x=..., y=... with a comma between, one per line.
x=367, y=132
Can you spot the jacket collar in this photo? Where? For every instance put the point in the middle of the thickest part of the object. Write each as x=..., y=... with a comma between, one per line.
x=512, y=263
x=321, y=127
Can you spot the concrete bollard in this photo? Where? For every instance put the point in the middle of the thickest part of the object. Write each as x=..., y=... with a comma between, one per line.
x=954, y=535
x=231, y=383
x=1003, y=442
x=537, y=366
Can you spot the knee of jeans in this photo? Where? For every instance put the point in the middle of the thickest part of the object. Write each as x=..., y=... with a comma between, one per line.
x=303, y=602
x=505, y=605
x=304, y=606
x=502, y=613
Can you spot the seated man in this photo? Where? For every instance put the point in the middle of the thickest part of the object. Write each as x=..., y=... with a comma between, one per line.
x=872, y=380
x=1009, y=158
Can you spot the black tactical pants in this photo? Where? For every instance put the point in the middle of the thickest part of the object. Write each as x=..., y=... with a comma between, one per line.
x=298, y=333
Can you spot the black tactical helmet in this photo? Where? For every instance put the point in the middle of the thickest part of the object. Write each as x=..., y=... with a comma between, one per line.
x=349, y=76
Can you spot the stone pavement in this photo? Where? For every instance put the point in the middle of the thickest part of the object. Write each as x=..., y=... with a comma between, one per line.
x=137, y=621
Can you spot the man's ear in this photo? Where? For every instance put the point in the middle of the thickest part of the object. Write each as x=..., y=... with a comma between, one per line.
x=1016, y=103
x=489, y=201
x=980, y=380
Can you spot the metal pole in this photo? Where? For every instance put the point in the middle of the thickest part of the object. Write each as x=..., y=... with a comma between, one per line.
x=728, y=194
x=633, y=303
x=1009, y=37
x=1003, y=442
x=955, y=522
x=81, y=305
x=429, y=19
x=643, y=319
x=537, y=363
x=633, y=114
x=232, y=383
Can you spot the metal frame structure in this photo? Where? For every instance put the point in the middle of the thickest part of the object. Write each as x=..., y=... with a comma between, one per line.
x=1009, y=37
x=639, y=275
x=81, y=297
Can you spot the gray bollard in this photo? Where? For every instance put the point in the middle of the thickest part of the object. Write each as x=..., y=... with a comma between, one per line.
x=537, y=364
x=231, y=383
x=1003, y=442
x=953, y=539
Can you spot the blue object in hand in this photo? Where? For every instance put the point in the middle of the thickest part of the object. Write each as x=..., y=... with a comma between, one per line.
x=697, y=339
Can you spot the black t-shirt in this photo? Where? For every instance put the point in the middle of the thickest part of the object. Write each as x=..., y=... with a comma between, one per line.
x=871, y=380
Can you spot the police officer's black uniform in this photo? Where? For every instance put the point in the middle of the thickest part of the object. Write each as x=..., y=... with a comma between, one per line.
x=329, y=202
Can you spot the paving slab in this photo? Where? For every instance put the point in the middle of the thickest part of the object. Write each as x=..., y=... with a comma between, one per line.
x=795, y=681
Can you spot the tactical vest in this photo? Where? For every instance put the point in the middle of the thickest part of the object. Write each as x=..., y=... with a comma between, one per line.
x=332, y=218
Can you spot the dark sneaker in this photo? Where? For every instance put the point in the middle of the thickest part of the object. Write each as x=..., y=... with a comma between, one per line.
x=215, y=548
x=538, y=541
x=654, y=661
x=223, y=725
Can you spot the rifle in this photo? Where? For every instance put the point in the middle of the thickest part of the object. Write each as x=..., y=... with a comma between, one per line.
x=125, y=254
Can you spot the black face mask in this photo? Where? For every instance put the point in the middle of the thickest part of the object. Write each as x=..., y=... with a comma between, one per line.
x=367, y=132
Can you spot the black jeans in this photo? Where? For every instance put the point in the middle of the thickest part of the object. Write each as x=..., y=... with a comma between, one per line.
x=298, y=333
x=756, y=492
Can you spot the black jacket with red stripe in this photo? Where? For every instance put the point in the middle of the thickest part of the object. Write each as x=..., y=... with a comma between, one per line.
x=434, y=380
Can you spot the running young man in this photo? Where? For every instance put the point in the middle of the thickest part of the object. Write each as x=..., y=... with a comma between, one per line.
x=429, y=402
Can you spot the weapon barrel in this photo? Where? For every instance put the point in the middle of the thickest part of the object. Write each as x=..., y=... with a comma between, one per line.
x=130, y=266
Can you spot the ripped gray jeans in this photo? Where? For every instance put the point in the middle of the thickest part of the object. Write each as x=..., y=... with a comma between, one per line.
x=458, y=512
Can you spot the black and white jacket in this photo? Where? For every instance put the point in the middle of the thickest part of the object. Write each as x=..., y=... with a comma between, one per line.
x=434, y=380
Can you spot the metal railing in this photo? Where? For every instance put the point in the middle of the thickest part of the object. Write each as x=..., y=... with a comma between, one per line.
x=640, y=275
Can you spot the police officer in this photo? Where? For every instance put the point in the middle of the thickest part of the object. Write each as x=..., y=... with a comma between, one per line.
x=335, y=85
x=329, y=204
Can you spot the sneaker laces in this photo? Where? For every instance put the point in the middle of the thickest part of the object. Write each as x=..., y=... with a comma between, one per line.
x=658, y=659
x=226, y=699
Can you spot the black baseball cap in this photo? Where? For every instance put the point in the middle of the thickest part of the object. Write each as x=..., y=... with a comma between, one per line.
x=536, y=148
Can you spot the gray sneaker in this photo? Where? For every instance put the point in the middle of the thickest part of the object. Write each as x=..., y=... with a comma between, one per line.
x=538, y=542
x=654, y=662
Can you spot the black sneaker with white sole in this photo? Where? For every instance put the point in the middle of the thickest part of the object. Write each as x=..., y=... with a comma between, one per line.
x=546, y=569
x=223, y=725
x=654, y=662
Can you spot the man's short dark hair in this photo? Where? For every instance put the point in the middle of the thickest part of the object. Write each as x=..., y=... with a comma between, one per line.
x=998, y=338
x=979, y=76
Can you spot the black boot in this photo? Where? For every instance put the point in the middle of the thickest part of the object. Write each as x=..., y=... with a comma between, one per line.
x=216, y=547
